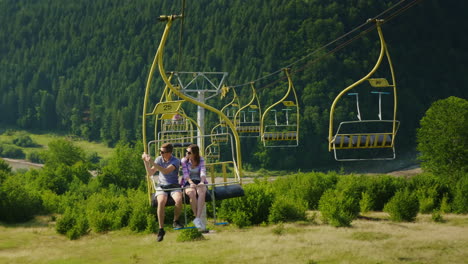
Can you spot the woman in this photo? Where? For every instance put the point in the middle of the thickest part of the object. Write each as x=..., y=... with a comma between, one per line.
x=194, y=179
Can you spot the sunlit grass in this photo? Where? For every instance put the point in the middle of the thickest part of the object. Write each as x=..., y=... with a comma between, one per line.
x=374, y=239
x=43, y=141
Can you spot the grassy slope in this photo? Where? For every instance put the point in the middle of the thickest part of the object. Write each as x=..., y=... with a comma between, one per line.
x=44, y=139
x=367, y=241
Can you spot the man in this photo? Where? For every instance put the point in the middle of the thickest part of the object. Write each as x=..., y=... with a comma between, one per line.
x=168, y=167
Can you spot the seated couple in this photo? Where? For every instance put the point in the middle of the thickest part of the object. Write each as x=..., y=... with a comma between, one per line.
x=194, y=179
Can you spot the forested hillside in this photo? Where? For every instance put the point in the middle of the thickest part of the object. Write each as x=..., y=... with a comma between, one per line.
x=81, y=66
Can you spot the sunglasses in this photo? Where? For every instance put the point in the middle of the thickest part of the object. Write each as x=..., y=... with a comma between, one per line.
x=163, y=152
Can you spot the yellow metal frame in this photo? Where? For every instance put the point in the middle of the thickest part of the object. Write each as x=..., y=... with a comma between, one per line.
x=215, y=137
x=250, y=130
x=288, y=135
x=158, y=64
x=233, y=102
x=375, y=82
x=166, y=109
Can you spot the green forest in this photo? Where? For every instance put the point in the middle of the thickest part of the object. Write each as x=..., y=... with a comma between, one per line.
x=80, y=67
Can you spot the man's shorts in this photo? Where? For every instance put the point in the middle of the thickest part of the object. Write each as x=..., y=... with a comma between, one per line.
x=162, y=191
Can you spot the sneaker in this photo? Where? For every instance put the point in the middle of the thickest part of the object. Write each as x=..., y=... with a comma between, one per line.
x=161, y=234
x=197, y=222
x=177, y=224
x=202, y=225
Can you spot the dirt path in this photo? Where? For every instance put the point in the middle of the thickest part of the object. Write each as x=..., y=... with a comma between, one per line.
x=406, y=172
x=22, y=164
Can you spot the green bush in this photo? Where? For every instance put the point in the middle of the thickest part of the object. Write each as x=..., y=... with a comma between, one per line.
x=445, y=204
x=50, y=201
x=151, y=224
x=18, y=203
x=308, y=187
x=404, y=206
x=124, y=168
x=378, y=188
x=338, y=208
x=4, y=166
x=140, y=211
x=352, y=185
x=381, y=188
x=24, y=140
x=286, y=208
x=73, y=223
x=107, y=211
x=429, y=189
x=460, y=199
x=366, y=203
x=10, y=151
x=437, y=217
x=191, y=234
x=56, y=179
x=36, y=156
x=253, y=208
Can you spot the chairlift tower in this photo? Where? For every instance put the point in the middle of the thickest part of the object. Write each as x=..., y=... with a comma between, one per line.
x=200, y=86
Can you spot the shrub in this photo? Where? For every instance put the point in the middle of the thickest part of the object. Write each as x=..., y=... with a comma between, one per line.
x=50, y=201
x=191, y=234
x=13, y=152
x=107, y=211
x=286, y=208
x=279, y=229
x=140, y=211
x=24, y=140
x=366, y=203
x=404, y=206
x=429, y=190
x=124, y=168
x=54, y=179
x=437, y=217
x=381, y=189
x=35, y=156
x=63, y=152
x=307, y=187
x=253, y=208
x=4, y=166
x=352, y=185
x=73, y=223
x=460, y=199
x=241, y=218
x=445, y=204
x=338, y=208
x=151, y=226
x=18, y=202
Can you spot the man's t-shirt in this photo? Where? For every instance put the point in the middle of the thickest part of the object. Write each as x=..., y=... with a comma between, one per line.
x=172, y=177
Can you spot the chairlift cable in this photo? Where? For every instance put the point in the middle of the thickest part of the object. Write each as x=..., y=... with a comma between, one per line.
x=389, y=17
x=181, y=36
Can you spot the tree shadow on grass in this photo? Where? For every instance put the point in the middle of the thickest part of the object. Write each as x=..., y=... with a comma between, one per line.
x=38, y=221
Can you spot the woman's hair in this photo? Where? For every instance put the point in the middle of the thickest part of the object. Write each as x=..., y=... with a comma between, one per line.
x=196, y=153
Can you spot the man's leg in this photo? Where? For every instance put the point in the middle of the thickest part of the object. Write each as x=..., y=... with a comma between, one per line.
x=162, y=199
x=177, y=196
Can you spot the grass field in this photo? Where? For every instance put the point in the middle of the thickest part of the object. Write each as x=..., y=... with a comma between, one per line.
x=373, y=239
x=43, y=140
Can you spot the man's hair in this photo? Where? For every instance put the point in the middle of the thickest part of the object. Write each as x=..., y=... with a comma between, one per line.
x=168, y=147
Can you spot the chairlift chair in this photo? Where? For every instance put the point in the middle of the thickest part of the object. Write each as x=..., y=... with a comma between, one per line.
x=367, y=139
x=280, y=121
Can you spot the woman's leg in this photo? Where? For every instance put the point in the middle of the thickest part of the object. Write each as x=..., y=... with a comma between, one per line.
x=192, y=194
x=201, y=199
